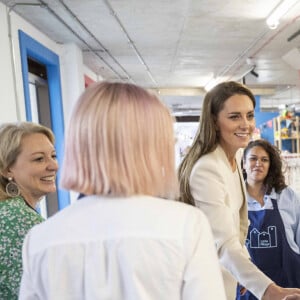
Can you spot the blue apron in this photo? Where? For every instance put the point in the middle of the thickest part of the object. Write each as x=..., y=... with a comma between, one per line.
x=270, y=250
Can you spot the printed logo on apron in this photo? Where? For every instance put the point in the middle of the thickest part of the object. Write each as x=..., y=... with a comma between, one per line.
x=262, y=239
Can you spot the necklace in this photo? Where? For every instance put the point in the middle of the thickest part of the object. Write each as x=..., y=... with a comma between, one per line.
x=27, y=203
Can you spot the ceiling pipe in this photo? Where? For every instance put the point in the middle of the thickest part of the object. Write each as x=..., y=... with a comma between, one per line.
x=293, y=35
x=239, y=58
x=130, y=42
x=94, y=37
x=255, y=42
x=274, y=35
x=113, y=13
x=45, y=5
x=278, y=12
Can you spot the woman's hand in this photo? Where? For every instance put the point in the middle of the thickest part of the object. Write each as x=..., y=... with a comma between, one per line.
x=243, y=291
x=292, y=297
x=275, y=292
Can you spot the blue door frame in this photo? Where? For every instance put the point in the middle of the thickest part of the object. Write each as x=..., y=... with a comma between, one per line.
x=31, y=48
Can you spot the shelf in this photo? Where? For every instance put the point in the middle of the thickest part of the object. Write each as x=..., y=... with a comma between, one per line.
x=287, y=130
x=287, y=138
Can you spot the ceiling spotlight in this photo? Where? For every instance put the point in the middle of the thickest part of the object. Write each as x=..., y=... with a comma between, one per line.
x=242, y=76
x=280, y=10
x=254, y=73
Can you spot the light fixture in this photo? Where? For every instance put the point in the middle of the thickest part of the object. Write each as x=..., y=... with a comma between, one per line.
x=243, y=74
x=279, y=11
x=255, y=74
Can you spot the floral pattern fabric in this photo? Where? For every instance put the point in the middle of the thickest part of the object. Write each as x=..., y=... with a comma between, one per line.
x=16, y=219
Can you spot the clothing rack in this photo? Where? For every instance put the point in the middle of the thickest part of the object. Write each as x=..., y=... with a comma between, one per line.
x=291, y=169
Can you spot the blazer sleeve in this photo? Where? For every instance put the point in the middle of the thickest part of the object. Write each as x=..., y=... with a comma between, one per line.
x=209, y=190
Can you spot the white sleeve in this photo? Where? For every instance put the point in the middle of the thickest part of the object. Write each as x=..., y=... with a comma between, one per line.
x=210, y=194
x=202, y=276
x=289, y=207
x=26, y=289
x=297, y=229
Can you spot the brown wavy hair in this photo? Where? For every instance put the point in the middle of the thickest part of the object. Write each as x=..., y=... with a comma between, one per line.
x=275, y=177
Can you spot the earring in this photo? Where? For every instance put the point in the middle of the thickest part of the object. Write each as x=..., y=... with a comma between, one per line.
x=12, y=190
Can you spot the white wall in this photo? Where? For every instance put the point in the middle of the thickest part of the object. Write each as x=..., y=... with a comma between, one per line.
x=11, y=90
x=91, y=74
x=8, y=110
x=72, y=76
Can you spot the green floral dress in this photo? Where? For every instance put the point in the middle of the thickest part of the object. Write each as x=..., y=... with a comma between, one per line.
x=16, y=218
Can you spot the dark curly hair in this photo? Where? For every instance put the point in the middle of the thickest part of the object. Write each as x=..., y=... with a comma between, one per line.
x=275, y=177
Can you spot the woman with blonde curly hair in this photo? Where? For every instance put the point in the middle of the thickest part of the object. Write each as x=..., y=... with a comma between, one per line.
x=28, y=168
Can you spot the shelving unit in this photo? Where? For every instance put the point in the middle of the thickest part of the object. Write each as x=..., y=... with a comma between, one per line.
x=287, y=129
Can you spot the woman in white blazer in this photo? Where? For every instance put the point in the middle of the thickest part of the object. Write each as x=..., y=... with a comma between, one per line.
x=211, y=179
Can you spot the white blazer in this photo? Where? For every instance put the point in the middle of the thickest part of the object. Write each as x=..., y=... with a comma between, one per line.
x=213, y=187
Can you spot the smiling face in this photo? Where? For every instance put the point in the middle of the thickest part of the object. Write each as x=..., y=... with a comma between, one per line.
x=256, y=164
x=235, y=123
x=35, y=168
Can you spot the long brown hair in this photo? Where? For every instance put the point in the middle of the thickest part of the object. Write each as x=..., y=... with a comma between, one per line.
x=206, y=139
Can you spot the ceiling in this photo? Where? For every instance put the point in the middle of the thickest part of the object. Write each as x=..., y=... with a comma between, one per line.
x=178, y=46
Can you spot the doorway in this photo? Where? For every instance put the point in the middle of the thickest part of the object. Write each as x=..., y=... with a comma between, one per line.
x=42, y=66
x=40, y=113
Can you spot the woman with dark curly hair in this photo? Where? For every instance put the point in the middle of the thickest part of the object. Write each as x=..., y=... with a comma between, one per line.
x=273, y=239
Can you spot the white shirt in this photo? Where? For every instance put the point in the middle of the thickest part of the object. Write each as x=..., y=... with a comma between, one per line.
x=288, y=202
x=137, y=248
